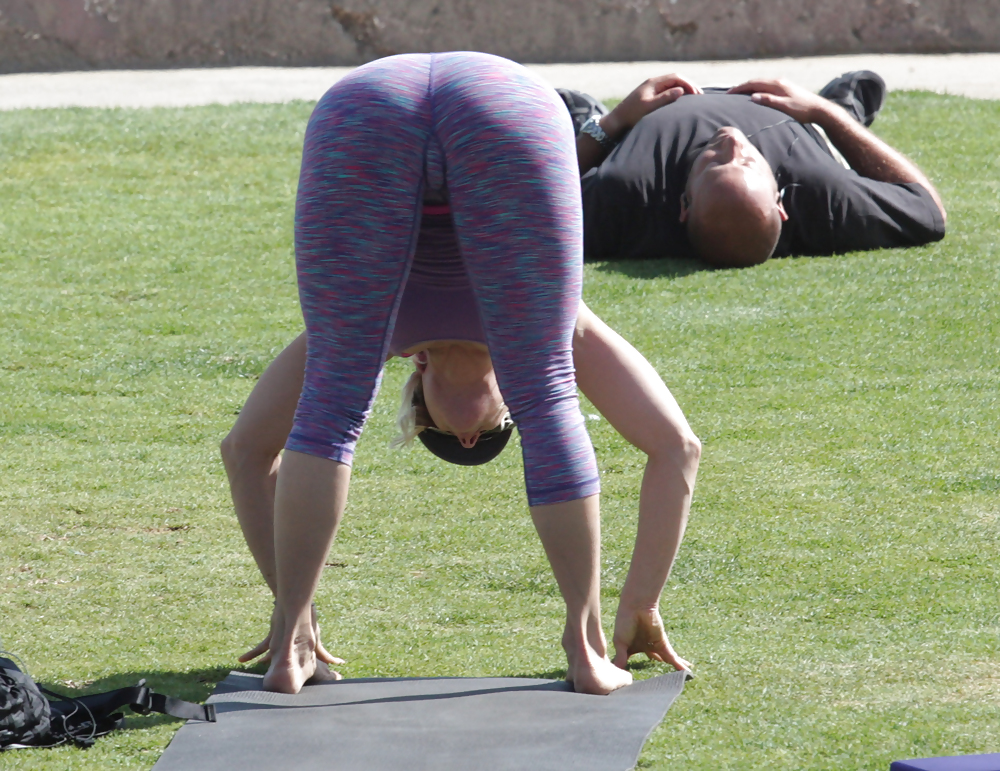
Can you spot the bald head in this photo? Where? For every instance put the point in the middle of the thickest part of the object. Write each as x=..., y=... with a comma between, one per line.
x=731, y=203
x=733, y=224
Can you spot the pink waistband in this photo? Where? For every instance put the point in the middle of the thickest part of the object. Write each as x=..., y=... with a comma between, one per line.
x=437, y=208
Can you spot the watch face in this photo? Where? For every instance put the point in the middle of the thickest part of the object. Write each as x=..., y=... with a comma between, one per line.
x=592, y=128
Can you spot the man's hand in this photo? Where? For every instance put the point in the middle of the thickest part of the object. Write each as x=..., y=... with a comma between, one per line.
x=651, y=95
x=641, y=631
x=793, y=100
x=868, y=155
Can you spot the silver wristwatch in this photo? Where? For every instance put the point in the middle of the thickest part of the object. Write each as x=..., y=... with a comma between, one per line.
x=592, y=128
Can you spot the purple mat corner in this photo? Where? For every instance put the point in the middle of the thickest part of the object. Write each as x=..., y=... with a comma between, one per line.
x=950, y=763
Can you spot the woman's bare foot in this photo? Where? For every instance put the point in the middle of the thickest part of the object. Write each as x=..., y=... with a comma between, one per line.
x=292, y=663
x=588, y=668
x=598, y=676
x=263, y=648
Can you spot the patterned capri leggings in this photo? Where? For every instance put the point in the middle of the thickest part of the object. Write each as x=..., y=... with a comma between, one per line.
x=501, y=144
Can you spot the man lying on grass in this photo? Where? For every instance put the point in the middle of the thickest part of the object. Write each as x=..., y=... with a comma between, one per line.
x=735, y=177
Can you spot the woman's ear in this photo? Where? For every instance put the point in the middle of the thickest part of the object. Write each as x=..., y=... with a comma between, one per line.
x=420, y=361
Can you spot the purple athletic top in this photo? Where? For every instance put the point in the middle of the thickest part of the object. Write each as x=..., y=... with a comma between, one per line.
x=438, y=301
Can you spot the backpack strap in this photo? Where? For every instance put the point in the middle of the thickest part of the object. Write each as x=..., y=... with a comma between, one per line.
x=139, y=699
x=169, y=705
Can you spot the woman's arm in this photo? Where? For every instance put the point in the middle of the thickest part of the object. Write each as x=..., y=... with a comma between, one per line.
x=251, y=453
x=632, y=397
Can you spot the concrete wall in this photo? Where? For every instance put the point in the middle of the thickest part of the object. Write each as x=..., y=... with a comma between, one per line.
x=39, y=35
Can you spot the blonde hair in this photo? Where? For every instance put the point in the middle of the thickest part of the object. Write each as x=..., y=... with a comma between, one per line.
x=411, y=404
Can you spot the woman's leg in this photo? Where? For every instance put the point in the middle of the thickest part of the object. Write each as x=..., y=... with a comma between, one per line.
x=571, y=535
x=515, y=198
x=356, y=221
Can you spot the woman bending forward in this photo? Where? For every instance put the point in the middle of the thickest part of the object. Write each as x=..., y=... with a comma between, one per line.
x=438, y=214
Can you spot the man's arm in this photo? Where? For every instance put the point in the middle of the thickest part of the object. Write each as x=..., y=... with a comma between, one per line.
x=650, y=95
x=868, y=155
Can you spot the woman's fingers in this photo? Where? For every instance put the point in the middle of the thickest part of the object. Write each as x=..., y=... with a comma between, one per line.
x=627, y=636
x=643, y=632
x=264, y=646
x=321, y=652
x=326, y=657
x=665, y=652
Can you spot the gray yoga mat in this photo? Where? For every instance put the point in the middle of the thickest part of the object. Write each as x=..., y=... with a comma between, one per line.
x=423, y=723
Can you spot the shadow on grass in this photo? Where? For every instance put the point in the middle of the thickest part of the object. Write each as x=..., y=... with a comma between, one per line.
x=670, y=268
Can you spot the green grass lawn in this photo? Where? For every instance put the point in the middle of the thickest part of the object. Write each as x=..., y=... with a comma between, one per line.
x=837, y=590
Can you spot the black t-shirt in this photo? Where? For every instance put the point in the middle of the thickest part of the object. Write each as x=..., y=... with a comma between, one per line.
x=631, y=202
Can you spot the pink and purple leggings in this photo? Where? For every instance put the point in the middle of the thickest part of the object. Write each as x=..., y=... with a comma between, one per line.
x=501, y=144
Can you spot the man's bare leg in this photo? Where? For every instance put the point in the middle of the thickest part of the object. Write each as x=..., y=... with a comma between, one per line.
x=309, y=504
x=571, y=535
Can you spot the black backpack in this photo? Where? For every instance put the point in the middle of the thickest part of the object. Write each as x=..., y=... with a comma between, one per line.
x=29, y=719
x=582, y=107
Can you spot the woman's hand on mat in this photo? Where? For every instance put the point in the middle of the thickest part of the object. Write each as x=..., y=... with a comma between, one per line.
x=263, y=649
x=323, y=672
x=793, y=100
x=640, y=630
x=651, y=95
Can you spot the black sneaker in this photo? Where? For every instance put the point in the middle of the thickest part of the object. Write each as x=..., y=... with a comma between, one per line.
x=861, y=93
x=582, y=107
